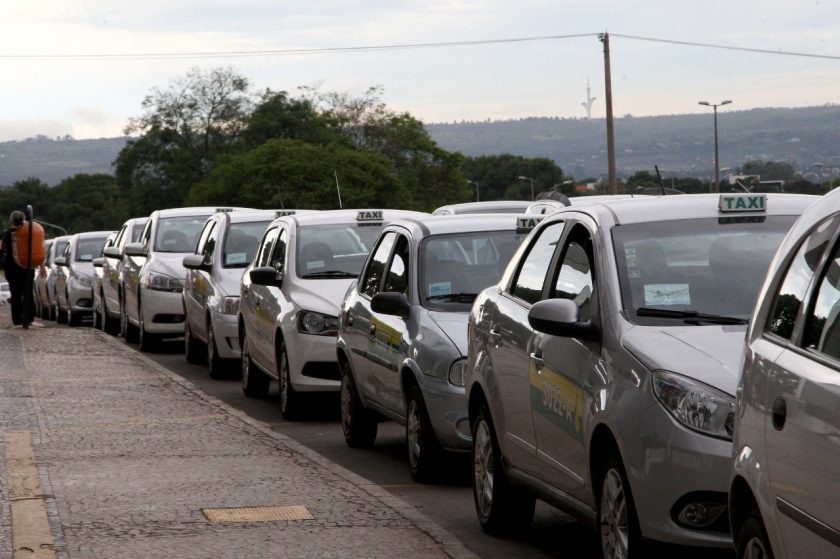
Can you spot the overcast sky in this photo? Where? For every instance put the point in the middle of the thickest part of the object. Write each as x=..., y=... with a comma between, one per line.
x=94, y=98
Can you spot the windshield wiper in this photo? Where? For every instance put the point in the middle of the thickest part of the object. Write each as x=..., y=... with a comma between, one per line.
x=330, y=274
x=690, y=316
x=454, y=297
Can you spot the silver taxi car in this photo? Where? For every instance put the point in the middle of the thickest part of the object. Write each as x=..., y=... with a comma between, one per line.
x=290, y=296
x=784, y=496
x=152, y=304
x=226, y=245
x=602, y=368
x=112, y=290
x=402, y=340
x=74, y=280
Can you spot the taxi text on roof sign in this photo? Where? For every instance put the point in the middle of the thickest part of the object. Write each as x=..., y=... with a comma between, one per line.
x=284, y=213
x=743, y=203
x=528, y=223
x=369, y=215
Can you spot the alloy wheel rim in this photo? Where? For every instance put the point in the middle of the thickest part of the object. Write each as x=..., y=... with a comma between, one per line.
x=284, y=378
x=483, y=468
x=413, y=432
x=755, y=549
x=614, y=531
x=246, y=363
x=211, y=349
x=346, y=403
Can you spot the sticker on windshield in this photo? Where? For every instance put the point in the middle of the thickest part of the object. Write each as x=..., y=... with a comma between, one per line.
x=667, y=294
x=314, y=264
x=236, y=258
x=632, y=263
x=440, y=288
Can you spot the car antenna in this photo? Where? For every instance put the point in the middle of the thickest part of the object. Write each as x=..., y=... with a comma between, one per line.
x=661, y=184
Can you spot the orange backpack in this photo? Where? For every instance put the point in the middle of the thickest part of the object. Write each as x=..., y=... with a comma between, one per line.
x=20, y=245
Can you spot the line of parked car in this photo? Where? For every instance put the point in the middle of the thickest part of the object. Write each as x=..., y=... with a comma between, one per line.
x=587, y=352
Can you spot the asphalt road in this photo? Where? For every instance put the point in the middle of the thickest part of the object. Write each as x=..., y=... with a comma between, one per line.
x=448, y=501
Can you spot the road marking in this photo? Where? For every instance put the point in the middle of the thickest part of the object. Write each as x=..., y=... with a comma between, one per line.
x=31, y=535
x=257, y=514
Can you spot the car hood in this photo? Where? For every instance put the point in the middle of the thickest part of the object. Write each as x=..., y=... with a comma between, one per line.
x=454, y=325
x=710, y=354
x=169, y=263
x=322, y=295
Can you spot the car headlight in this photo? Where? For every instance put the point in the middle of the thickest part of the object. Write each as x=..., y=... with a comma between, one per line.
x=457, y=370
x=696, y=405
x=317, y=323
x=84, y=281
x=230, y=305
x=160, y=282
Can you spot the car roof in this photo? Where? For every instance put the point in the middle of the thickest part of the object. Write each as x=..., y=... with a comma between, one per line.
x=491, y=206
x=135, y=220
x=192, y=211
x=244, y=216
x=682, y=206
x=331, y=217
x=90, y=234
x=427, y=225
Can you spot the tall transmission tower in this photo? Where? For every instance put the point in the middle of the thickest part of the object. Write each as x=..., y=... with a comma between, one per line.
x=588, y=103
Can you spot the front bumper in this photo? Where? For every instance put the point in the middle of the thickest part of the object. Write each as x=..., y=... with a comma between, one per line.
x=226, y=331
x=313, y=353
x=447, y=407
x=163, y=312
x=79, y=297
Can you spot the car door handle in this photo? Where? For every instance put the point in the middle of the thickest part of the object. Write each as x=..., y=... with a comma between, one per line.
x=537, y=358
x=779, y=413
x=495, y=335
x=349, y=319
x=372, y=329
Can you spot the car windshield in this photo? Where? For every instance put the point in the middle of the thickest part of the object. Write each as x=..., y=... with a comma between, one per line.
x=696, y=271
x=89, y=248
x=241, y=243
x=455, y=268
x=178, y=234
x=59, y=248
x=334, y=251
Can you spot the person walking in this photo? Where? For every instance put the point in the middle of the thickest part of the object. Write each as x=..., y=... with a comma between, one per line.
x=15, y=275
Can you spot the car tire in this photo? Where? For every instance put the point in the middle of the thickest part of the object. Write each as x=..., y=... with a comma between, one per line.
x=73, y=318
x=255, y=383
x=619, y=535
x=109, y=325
x=752, y=541
x=218, y=367
x=146, y=341
x=289, y=398
x=60, y=315
x=357, y=422
x=424, y=450
x=129, y=331
x=192, y=349
x=502, y=509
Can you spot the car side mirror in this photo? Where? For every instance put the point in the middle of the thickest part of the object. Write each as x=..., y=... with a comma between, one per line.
x=196, y=262
x=112, y=252
x=60, y=261
x=97, y=262
x=266, y=276
x=134, y=249
x=391, y=302
x=560, y=317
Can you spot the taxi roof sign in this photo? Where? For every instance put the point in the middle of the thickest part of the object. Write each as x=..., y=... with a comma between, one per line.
x=369, y=215
x=525, y=224
x=284, y=213
x=742, y=202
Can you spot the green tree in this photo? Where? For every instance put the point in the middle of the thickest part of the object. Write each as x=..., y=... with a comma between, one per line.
x=86, y=202
x=279, y=116
x=769, y=170
x=498, y=176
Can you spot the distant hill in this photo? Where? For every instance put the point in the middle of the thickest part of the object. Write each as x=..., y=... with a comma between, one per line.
x=52, y=160
x=681, y=145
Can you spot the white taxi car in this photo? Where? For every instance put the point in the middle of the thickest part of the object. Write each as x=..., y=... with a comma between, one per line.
x=402, y=340
x=152, y=304
x=784, y=496
x=290, y=297
x=226, y=245
x=602, y=368
x=74, y=280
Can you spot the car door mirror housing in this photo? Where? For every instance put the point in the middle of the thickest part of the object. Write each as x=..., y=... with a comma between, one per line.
x=60, y=261
x=560, y=317
x=195, y=262
x=112, y=252
x=266, y=276
x=97, y=262
x=391, y=302
x=134, y=249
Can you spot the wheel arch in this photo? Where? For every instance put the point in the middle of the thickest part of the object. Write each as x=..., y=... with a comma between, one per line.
x=477, y=398
x=741, y=502
x=601, y=445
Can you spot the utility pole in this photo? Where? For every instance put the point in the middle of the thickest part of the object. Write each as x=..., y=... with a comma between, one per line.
x=605, y=38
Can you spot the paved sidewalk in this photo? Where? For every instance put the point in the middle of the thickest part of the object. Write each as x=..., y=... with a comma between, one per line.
x=107, y=455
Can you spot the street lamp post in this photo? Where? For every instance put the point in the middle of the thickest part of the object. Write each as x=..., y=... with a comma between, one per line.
x=717, y=159
x=532, y=184
x=477, y=199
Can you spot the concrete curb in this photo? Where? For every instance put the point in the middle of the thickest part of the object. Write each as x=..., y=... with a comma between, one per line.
x=450, y=545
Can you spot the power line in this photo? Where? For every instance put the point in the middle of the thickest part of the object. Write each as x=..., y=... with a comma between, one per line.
x=727, y=47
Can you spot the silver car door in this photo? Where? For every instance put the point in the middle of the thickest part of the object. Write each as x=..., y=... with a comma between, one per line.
x=511, y=339
x=563, y=371
x=252, y=295
x=275, y=302
x=195, y=290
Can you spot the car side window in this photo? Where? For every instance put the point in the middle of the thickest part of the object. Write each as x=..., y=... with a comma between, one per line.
x=396, y=279
x=278, y=255
x=210, y=245
x=373, y=275
x=265, y=247
x=146, y=237
x=204, y=235
x=531, y=276
x=822, y=329
x=68, y=248
x=118, y=240
x=792, y=291
x=574, y=279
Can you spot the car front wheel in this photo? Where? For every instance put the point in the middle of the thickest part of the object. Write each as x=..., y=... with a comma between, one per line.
x=424, y=451
x=502, y=510
x=752, y=541
x=618, y=526
x=289, y=398
x=255, y=383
